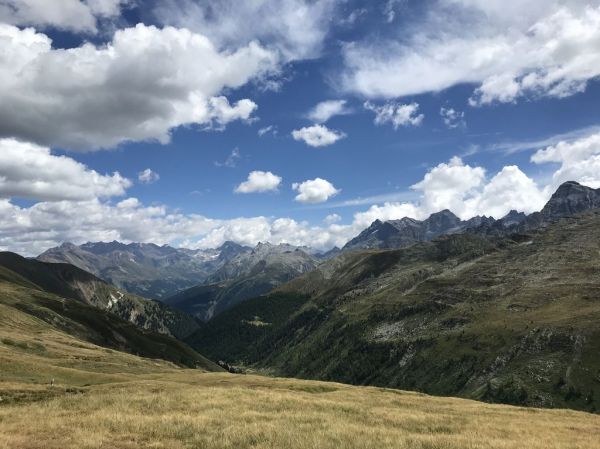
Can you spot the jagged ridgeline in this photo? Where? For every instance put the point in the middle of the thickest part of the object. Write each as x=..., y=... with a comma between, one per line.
x=569, y=199
x=503, y=313
x=145, y=269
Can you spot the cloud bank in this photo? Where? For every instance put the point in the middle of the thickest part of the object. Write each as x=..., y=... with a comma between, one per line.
x=507, y=49
x=138, y=87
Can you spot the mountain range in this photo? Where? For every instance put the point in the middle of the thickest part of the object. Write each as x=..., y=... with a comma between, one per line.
x=206, y=282
x=509, y=318
x=199, y=282
x=145, y=269
x=570, y=198
x=406, y=231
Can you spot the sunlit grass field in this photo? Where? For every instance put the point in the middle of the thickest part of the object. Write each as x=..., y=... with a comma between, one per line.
x=185, y=409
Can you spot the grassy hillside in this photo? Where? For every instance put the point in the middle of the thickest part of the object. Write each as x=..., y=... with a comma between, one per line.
x=186, y=409
x=68, y=281
x=42, y=335
x=512, y=321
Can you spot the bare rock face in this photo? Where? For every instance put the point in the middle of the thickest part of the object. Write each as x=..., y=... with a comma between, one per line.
x=571, y=198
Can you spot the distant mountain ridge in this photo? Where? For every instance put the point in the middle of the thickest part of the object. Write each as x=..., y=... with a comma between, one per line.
x=204, y=283
x=145, y=269
x=569, y=199
x=247, y=275
x=406, y=231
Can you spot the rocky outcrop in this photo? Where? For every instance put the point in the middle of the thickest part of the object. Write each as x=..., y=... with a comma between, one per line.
x=571, y=198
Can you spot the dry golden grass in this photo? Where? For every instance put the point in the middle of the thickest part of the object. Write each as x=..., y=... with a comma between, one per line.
x=186, y=409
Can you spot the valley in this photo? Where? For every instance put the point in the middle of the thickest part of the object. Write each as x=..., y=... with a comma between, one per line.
x=512, y=320
x=246, y=276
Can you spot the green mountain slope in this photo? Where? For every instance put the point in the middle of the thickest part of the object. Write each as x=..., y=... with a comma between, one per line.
x=68, y=281
x=502, y=320
x=42, y=335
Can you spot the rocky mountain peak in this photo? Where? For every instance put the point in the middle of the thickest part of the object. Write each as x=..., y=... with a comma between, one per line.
x=229, y=250
x=443, y=220
x=446, y=213
x=104, y=247
x=405, y=231
x=571, y=198
x=513, y=217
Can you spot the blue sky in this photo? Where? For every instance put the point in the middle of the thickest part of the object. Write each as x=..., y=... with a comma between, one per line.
x=477, y=106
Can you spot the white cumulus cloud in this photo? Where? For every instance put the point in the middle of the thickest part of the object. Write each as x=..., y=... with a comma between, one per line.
x=397, y=114
x=324, y=110
x=222, y=112
x=317, y=135
x=139, y=86
x=259, y=181
x=31, y=171
x=446, y=186
x=579, y=160
x=148, y=176
x=316, y=190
